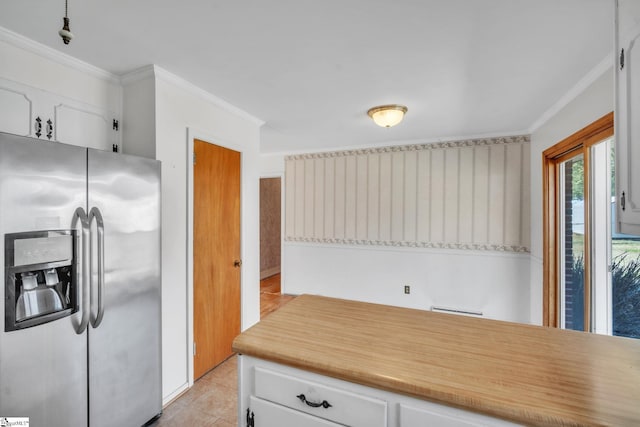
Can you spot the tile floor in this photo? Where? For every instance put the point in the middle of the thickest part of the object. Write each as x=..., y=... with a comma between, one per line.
x=212, y=401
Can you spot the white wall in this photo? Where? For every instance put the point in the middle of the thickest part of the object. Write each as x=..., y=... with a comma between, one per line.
x=596, y=100
x=494, y=282
x=180, y=111
x=139, y=113
x=271, y=165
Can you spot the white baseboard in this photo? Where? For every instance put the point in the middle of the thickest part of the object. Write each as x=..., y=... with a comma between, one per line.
x=166, y=400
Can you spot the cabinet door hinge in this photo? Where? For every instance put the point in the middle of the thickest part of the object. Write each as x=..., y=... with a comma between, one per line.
x=194, y=158
x=116, y=125
x=621, y=59
x=115, y=148
x=250, y=418
x=194, y=348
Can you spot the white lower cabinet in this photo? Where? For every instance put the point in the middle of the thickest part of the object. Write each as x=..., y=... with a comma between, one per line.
x=274, y=395
x=266, y=414
x=335, y=404
x=412, y=417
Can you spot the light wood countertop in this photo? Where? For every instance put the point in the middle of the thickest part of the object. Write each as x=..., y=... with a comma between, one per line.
x=528, y=374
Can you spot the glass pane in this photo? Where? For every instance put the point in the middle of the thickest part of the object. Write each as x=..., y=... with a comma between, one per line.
x=625, y=272
x=572, y=243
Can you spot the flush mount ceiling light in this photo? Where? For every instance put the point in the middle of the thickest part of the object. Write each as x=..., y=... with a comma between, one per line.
x=65, y=33
x=387, y=115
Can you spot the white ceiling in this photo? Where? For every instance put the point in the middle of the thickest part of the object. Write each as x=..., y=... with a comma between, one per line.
x=311, y=68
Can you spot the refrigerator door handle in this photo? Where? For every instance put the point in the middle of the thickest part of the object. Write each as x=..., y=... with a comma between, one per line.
x=84, y=260
x=95, y=213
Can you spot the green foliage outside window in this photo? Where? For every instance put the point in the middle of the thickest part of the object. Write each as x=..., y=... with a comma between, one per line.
x=577, y=176
x=625, y=295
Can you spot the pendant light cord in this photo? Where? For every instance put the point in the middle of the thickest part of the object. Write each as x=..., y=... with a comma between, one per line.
x=65, y=32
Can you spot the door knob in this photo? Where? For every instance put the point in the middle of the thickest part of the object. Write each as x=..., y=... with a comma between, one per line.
x=237, y=263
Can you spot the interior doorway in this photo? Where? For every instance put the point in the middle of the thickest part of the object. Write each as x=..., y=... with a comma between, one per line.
x=270, y=220
x=216, y=254
x=270, y=244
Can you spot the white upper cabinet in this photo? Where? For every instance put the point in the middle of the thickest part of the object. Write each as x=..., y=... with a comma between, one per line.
x=627, y=119
x=28, y=111
x=20, y=106
x=86, y=125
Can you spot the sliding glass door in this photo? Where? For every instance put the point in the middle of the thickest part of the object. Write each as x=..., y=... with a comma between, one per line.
x=592, y=273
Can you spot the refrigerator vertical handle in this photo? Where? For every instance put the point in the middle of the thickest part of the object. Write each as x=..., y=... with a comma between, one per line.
x=95, y=213
x=83, y=258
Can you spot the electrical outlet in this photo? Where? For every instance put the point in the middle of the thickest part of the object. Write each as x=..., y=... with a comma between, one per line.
x=407, y=289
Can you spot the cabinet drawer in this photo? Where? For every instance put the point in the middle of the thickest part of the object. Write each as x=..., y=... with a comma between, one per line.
x=333, y=404
x=267, y=414
x=420, y=417
x=443, y=416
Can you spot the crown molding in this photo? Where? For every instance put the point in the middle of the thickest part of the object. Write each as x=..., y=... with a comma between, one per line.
x=603, y=66
x=157, y=72
x=55, y=55
x=138, y=74
x=399, y=142
x=169, y=77
x=518, y=139
x=67, y=60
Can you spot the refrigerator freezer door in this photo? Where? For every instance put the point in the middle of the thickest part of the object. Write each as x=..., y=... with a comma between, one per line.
x=43, y=369
x=124, y=349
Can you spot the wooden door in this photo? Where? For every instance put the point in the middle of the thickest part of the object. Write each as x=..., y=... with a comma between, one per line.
x=216, y=254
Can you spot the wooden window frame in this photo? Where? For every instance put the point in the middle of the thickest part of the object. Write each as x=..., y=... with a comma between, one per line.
x=569, y=147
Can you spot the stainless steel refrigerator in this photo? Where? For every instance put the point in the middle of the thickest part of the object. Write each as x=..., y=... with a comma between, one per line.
x=80, y=230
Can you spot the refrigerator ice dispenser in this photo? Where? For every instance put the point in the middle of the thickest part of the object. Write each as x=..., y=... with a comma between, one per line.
x=40, y=277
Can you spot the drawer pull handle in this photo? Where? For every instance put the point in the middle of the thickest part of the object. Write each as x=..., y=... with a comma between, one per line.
x=323, y=404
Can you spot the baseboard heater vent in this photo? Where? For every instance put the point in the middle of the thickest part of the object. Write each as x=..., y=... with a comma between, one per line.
x=456, y=311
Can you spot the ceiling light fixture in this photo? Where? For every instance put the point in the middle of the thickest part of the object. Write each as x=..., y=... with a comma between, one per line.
x=387, y=115
x=65, y=33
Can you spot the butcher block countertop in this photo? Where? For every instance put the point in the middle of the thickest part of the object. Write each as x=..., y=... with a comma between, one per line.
x=527, y=374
